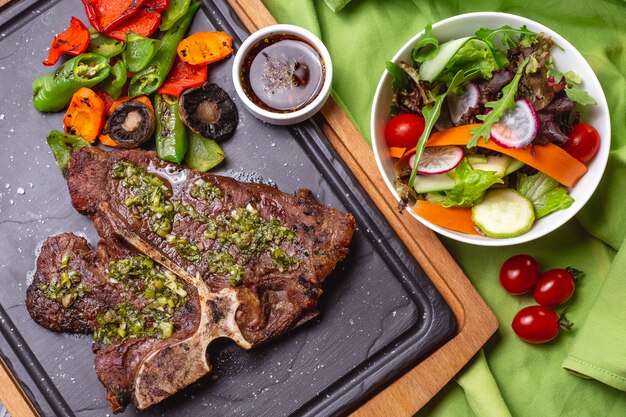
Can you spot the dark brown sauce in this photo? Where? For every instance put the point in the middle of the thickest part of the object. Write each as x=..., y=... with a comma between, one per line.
x=282, y=73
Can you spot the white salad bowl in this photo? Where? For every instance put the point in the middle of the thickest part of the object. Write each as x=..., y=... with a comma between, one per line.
x=566, y=59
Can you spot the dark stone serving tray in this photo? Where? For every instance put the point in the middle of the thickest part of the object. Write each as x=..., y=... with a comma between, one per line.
x=380, y=314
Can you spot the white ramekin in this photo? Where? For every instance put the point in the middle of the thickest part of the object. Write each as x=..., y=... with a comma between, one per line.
x=298, y=115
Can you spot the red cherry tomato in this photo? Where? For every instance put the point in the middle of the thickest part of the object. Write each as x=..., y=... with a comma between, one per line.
x=519, y=274
x=583, y=142
x=555, y=287
x=536, y=324
x=404, y=130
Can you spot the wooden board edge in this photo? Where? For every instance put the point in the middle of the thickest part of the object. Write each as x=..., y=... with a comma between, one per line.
x=476, y=322
x=15, y=400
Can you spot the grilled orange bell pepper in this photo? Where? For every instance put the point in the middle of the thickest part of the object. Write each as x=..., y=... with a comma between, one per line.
x=205, y=47
x=85, y=115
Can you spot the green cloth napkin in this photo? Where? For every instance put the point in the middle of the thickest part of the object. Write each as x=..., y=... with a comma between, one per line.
x=512, y=376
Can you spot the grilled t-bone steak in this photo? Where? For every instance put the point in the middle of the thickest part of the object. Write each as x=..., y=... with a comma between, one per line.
x=252, y=258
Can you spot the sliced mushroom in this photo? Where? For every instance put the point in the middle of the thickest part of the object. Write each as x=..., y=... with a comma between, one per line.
x=209, y=111
x=131, y=124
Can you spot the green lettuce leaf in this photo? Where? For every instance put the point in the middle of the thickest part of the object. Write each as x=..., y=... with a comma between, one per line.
x=546, y=194
x=469, y=189
x=473, y=57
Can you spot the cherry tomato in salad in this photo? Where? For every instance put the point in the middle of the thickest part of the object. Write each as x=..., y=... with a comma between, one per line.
x=519, y=274
x=536, y=324
x=583, y=143
x=554, y=287
x=404, y=130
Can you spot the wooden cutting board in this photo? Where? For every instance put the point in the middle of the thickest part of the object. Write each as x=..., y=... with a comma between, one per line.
x=476, y=322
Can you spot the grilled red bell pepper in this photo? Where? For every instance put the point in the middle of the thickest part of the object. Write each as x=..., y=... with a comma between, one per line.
x=72, y=41
x=155, y=5
x=143, y=23
x=183, y=76
x=104, y=15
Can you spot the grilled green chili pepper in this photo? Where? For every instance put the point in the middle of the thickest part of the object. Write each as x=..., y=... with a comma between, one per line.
x=53, y=91
x=103, y=45
x=139, y=51
x=171, y=133
x=63, y=145
x=148, y=80
x=203, y=154
x=175, y=10
x=114, y=84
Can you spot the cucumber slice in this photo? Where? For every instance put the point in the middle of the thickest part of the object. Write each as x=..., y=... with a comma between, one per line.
x=513, y=166
x=475, y=159
x=504, y=213
x=430, y=69
x=431, y=183
x=495, y=163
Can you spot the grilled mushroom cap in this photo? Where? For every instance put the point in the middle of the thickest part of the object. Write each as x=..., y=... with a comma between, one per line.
x=209, y=111
x=131, y=124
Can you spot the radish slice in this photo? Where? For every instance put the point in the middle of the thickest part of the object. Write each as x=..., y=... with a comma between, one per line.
x=517, y=127
x=458, y=106
x=438, y=159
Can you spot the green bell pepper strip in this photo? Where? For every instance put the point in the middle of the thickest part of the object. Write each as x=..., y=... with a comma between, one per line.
x=148, y=80
x=175, y=10
x=114, y=84
x=103, y=45
x=62, y=146
x=53, y=91
x=171, y=133
x=139, y=51
x=203, y=154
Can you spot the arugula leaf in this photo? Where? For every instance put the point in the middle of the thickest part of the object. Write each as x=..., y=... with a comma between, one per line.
x=431, y=114
x=511, y=37
x=507, y=101
x=546, y=194
x=469, y=189
x=426, y=46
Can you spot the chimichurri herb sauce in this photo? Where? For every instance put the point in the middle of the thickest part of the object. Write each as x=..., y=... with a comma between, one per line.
x=67, y=288
x=160, y=289
x=243, y=227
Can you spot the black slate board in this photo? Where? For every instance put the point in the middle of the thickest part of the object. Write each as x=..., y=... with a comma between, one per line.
x=379, y=315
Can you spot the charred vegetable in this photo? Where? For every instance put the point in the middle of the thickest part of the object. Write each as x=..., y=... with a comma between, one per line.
x=183, y=76
x=106, y=14
x=131, y=124
x=85, y=115
x=205, y=47
x=203, y=154
x=103, y=45
x=72, y=41
x=62, y=146
x=171, y=134
x=148, y=80
x=53, y=91
x=209, y=111
x=139, y=51
x=143, y=22
x=114, y=84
